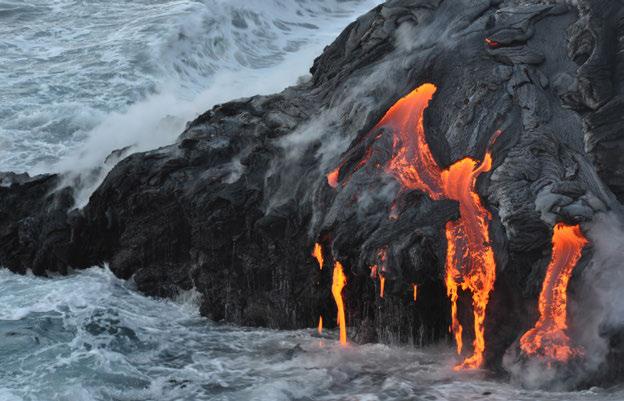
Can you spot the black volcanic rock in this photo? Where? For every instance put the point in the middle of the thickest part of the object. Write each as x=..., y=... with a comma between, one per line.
x=234, y=207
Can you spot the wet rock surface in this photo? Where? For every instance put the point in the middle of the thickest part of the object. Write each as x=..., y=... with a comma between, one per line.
x=234, y=207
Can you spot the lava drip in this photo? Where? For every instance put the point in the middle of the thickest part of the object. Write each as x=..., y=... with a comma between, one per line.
x=338, y=283
x=470, y=263
x=548, y=337
x=317, y=253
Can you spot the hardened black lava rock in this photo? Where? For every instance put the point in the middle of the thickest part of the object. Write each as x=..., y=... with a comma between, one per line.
x=234, y=207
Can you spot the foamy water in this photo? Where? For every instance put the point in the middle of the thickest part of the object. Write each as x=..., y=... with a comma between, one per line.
x=80, y=79
x=90, y=336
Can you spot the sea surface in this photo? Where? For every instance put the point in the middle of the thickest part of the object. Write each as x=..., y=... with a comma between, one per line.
x=79, y=79
x=91, y=336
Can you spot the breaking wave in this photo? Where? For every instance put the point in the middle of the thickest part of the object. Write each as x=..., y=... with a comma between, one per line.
x=81, y=79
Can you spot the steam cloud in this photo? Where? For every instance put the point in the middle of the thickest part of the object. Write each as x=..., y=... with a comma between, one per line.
x=600, y=305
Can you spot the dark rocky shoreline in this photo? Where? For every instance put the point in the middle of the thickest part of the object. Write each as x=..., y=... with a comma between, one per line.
x=234, y=207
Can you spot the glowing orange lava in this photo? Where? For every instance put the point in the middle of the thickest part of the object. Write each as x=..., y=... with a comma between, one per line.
x=382, y=285
x=415, y=292
x=338, y=283
x=492, y=43
x=318, y=255
x=413, y=163
x=319, y=329
x=332, y=178
x=381, y=256
x=548, y=338
x=470, y=264
x=470, y=261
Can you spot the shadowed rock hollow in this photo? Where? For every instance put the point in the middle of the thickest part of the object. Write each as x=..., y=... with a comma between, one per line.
x=234, y=207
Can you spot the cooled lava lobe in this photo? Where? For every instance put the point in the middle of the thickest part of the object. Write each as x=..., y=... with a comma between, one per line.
x=234, y=208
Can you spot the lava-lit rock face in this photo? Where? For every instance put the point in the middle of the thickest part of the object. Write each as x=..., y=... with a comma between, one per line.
x=234, y=208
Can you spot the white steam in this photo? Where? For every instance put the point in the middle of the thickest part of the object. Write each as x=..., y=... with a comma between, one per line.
x=160, y=118
x=600, y=305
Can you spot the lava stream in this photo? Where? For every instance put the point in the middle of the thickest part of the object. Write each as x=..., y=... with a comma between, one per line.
x=548, y=338
x=338, y=283
x=382, y=285
x=470, y=263
x=319, y=329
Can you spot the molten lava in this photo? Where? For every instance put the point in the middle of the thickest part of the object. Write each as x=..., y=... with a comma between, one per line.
x=548, y=338
x=338, y=283
x=470, y=264
x=415, y=292
x=492, y=43
x=382, y=257
x=318, y=254
x=319, y=329
x=470, y=261
x=332, y=178
x=413, y=163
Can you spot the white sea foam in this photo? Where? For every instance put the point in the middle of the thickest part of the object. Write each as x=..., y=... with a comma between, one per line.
x=90, y=336
x=82, y=79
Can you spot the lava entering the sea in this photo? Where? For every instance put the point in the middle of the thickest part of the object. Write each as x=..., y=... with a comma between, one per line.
x=338, y=283
x=470, y=264
x=548, y=338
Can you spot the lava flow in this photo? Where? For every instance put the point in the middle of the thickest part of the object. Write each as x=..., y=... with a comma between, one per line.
x=338, y=283
x=318, y=255
x=320, y=325
x=548, y=338
x=470, y=263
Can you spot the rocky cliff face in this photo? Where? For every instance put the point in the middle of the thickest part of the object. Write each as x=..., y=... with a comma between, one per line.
x=234, y=207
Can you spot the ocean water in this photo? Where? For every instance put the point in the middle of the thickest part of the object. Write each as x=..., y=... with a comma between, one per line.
x=90, y=336
x=79, y=79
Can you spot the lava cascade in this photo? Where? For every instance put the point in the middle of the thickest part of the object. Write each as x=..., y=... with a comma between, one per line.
x=470, y=264
x=338, y=283
x=548, y=337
